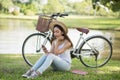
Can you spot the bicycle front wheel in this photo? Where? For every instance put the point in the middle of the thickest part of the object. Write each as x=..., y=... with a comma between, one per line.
x=31, y=49
x=95, y=51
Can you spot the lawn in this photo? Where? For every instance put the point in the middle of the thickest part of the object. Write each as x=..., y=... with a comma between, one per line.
x=72, y=21
x=93, y=22
x=12, y=66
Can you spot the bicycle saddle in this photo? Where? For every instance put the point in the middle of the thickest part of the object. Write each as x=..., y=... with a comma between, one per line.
x=84, y=30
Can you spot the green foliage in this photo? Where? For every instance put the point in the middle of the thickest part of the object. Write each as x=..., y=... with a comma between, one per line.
x=116, y=6
x=82, y=7
x=5, y=4
x=28, y=9
x=29, y=12
x=37, y=6
x=53, y=6
x=48, y=9
x=15, y=12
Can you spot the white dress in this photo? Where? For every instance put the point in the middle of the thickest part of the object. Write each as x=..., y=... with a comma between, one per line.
x=65, y=55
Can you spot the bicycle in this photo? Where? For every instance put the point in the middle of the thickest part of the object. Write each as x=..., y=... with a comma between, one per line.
x=94, y=51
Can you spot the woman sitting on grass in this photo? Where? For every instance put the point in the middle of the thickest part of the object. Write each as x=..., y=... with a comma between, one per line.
x=58, y=57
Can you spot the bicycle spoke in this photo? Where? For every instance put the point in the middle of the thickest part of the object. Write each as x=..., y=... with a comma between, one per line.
x=99, y=51
x=31, y=49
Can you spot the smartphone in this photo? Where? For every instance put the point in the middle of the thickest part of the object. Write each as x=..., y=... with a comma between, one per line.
x=43, y=47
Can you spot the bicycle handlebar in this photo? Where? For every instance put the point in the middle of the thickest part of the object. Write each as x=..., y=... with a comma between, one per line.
x=58, y=15
x=54, y=16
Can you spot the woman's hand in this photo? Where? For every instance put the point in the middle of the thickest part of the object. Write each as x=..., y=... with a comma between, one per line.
x=44, y=49
x=56, y=52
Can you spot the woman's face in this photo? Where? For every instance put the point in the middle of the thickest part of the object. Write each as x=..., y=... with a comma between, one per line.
x=57, y=32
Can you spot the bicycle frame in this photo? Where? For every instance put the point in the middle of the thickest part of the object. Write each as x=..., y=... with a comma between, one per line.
x=84, y=49
x=78, y=46
x=48, y=35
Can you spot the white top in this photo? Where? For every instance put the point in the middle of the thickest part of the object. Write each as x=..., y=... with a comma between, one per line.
x=65, y=55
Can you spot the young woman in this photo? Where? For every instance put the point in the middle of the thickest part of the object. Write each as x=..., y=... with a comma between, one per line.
x=59, y=55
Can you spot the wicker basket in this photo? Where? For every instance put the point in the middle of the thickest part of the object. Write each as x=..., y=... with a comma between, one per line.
x=43, y=24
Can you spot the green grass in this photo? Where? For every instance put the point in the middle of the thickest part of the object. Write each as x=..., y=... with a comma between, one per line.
x=72, y=21
x=93, y=23
x=12, y=66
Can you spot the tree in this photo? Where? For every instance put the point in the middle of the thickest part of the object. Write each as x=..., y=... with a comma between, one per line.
x=114, y=5
x=53, y=6
x=28, y=8
x=5, y=4
x=82, y=7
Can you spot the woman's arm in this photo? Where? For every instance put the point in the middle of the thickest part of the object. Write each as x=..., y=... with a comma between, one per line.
x=52, y=48
x=66, y=46
x=44, y=49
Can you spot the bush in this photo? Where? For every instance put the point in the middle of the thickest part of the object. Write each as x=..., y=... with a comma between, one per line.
x=29, y=12
x=15, y=12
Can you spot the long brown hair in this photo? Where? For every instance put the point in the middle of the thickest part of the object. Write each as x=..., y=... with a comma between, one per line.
x=64, y=34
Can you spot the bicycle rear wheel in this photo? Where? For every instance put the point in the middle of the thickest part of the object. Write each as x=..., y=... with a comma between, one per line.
x=31, y=49
x=96, y=51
